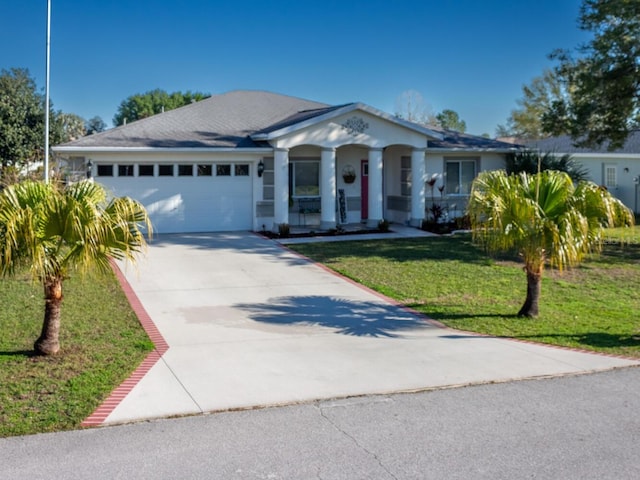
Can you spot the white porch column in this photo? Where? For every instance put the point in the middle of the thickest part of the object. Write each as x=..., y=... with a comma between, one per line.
x=375, y=187
x=280, y=187
x=417, y=186
x=328, y=188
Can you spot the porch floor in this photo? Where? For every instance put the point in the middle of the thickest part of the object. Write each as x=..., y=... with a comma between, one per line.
x=351, y=230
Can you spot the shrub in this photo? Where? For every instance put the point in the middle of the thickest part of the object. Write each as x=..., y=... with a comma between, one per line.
x=284, y=230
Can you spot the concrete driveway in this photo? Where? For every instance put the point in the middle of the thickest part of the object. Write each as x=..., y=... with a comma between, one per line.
x=249, y=324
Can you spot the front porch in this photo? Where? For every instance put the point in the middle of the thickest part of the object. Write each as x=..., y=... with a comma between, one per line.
x=323, y=188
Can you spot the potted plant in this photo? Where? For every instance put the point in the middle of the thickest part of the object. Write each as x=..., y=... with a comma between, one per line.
x=349, y=174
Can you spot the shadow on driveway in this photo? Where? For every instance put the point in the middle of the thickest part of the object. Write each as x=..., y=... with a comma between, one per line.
x=233, y=242
x=346, y=317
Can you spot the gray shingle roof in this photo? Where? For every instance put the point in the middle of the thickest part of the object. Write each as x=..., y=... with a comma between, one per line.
x=229, y=120
x=564, y=144
x=225, y=120
x=300, y=117
x=463, y=141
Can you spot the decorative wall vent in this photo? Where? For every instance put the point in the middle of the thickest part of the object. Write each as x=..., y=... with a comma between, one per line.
x=355, y=125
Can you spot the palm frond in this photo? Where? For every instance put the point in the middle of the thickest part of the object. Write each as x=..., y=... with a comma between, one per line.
x=57, y=230
x=543, y=216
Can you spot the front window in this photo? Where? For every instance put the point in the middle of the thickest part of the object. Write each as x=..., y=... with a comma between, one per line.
x=305, y=179
x=405, y=176
x=459, y=176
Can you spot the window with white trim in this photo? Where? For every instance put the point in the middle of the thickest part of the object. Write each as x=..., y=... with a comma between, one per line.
x=125, y=170
x=241, y=169
x=268, y=179
x=304, y=178
x=610, y=176
x=405, y=176
x=145, y=170
x=223, y=170
x=459, y=175
x=165, y=170
x=185, y=170
x=105, y=170
x=205, y=170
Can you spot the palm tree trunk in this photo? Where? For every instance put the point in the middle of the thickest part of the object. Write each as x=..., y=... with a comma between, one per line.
x=530, y=307
x=48, y=343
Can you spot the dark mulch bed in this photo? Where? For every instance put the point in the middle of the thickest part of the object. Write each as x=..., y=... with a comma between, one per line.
x=440, y=228
x=320, y=233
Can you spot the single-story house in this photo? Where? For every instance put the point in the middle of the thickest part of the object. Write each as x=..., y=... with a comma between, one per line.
x=252, y=160
x=618, y=170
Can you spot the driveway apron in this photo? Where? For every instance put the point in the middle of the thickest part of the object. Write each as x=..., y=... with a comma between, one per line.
x=251, y=324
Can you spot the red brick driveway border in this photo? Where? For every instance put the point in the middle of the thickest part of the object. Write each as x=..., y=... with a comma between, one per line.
x=160, y=347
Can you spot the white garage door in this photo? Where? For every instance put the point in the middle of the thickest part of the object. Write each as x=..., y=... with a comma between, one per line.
x=220, y=200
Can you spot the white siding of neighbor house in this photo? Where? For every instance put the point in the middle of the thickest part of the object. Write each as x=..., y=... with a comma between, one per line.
x=626, y=168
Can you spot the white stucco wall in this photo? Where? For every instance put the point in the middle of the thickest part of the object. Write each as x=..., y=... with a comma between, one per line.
x=376, y=133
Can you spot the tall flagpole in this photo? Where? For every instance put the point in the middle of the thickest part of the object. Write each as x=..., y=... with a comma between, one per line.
x=46, y=97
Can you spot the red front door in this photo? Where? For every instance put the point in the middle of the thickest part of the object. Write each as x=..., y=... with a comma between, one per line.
x=364, y=189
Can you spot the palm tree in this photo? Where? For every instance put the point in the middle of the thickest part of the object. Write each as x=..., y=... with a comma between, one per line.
x=532, y=161
x=56, y=231
x=543, y=217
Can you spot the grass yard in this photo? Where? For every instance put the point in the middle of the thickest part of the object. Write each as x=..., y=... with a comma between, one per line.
x=595, y=306
x=102, y=342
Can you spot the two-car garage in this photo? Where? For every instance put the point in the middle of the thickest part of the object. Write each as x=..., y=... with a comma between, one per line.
x=185, y=197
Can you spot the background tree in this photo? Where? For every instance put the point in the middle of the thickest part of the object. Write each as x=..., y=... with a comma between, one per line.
x=603, y=84
x=411, y=106
x=152, y=102
x=22, y=125
x=95, y=125
x=528, y=161
x=21, y=119
x=503, y=131
x=66, y=127
x=450, y=120
x=543, y=218
x=54, y=232
x=525, y=122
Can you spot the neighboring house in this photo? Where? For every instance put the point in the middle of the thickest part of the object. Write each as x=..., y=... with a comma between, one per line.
x=618, y=170
x=251, y=160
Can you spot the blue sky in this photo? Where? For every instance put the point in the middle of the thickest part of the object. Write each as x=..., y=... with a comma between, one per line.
x=472, y=56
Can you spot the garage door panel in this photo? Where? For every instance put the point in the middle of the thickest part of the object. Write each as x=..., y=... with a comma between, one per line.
x=195, y=204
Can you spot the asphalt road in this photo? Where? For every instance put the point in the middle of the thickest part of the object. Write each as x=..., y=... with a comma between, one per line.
x=579, y=427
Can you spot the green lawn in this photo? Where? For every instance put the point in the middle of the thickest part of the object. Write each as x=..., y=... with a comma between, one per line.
x=102, y=343
x=595, y=306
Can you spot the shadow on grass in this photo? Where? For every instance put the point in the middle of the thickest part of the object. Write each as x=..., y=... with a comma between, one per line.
x=462, y=316
x=619, y=254
x=18, y=353
x=454, y=248
x=592, y=339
